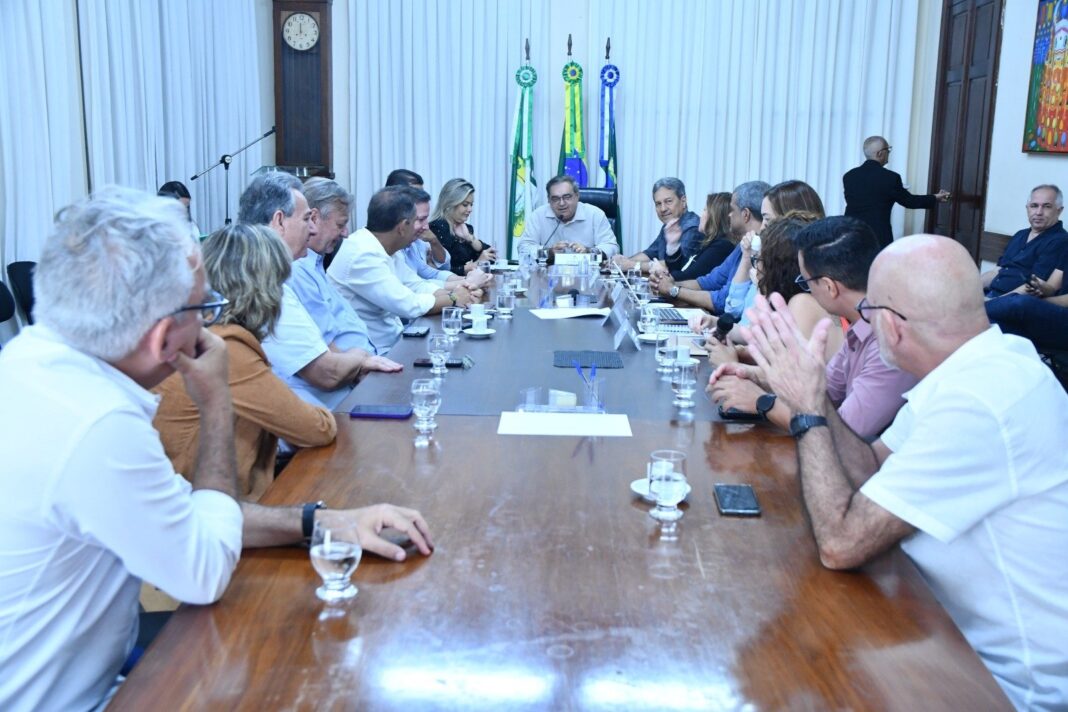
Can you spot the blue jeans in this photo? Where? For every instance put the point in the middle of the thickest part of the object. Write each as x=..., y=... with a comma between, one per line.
x=1045, y=324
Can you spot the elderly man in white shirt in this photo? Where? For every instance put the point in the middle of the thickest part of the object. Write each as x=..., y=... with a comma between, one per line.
x=370, y=269
x=567, y=225
x=970, y=478
x=91, y=503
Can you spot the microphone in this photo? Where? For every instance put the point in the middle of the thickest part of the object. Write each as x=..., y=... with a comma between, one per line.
x=723, y=326
x=558, y=224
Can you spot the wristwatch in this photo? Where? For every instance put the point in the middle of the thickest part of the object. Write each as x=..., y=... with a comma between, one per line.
x=803, y=422
x=452, y=298
x=674, y=291
x=307, y=518
x=764, y=403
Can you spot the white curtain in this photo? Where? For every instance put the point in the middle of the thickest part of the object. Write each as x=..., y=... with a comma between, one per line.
x=169, y=88
x=715, y=93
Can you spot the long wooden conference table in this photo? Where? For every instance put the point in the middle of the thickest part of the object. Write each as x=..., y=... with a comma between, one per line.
x=551, y=587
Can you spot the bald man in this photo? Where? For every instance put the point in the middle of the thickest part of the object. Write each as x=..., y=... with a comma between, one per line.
x=971, y=477
x=871, y=189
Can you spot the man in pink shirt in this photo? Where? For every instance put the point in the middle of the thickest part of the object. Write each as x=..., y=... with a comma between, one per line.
x=835, y=255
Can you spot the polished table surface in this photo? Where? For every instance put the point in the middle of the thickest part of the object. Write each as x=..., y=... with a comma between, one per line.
x=551, y=588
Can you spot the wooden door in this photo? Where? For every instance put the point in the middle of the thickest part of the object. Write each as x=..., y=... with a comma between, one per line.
x=964, y=117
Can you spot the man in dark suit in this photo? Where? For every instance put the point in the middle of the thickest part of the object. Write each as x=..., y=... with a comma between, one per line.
x=871, y=190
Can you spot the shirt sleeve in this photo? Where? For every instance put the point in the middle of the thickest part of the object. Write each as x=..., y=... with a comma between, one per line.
x=656, y=247
x=296, y=340
x=1049, y=257
x=874, y=398
x=603, y=236
x=737, y=294
x=134, y=504
x=933, y=483
x=371, y=276
x=722, y=274
x=907, y=199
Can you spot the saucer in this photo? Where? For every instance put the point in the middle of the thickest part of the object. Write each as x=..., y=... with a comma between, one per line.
x=480, y=334
x=650, y=338
x=641, y=488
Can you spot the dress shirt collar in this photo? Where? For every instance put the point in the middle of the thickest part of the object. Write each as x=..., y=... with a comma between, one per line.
x=858, y=333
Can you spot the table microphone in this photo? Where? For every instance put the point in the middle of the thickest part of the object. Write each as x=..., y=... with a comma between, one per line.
x=723, y=326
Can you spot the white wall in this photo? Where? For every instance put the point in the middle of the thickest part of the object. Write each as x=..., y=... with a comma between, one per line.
x=917, y=170
x=1012, y=172
x=265, y=47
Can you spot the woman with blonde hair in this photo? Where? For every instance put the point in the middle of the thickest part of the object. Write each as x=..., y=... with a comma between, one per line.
x=449, y=224
x=248, y=264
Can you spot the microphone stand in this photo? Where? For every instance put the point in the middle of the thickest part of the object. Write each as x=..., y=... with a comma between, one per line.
x=225, y=161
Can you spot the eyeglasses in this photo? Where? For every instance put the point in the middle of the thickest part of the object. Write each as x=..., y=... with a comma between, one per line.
x=209, y=311
x=888, y=149
x=863, y=306
x=560, y=199
x=800, y=281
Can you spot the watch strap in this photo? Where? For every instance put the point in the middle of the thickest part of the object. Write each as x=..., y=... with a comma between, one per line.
x=764, y=403
x=803, y=422
x=307, y=518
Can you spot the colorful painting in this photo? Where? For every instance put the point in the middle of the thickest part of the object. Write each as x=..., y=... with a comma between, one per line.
x=1046, y=125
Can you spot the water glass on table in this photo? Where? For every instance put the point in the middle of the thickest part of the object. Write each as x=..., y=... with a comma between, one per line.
x=438, y=347
x=543, y=256
x=505, y=303
x=684, y=382
x=452, y=322
x=666, y=473
x=426, y=399
x=335, y=553
x=665, y=349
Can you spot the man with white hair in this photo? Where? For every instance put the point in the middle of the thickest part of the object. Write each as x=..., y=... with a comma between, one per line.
x=1033, y=253
x=871, y=189
x=970, y=478
x=91, y=503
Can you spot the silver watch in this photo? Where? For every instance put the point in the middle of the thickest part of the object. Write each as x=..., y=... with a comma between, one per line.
x=674, y=291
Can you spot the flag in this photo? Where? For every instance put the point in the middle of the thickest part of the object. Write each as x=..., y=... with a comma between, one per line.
x=521, y=191
x=573, y=143
x=609, y=79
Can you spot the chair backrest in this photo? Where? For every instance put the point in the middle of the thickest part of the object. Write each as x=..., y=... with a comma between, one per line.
x=7, y=303
x=606, y=200
x=20, y=275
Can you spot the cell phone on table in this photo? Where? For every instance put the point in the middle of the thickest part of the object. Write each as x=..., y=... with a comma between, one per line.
x=736, y=500
x=415, y=332
x=449, y=363
x=740, y=416
x=394, y=412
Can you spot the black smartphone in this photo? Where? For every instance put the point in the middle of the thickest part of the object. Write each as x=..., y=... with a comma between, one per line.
x=736, y=500
x=740, y=416
x=415, y=331
x=450, y=363
x=394, y=412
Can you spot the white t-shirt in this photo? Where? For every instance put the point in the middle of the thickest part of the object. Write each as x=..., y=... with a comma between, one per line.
x=979, y=467
x=91, y=506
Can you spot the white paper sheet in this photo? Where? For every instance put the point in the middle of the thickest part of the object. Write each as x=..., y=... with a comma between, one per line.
x=611, y=425
x=568, y=312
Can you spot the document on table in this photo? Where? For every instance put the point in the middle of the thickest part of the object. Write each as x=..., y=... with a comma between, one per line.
x=611, y=425
x=568, y=312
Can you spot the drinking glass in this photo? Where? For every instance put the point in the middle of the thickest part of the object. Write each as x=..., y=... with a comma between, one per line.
x=335, y=553
x=666, y=473
x=438, y=347
x=665, y=350
x=485, y=265
x=684, y=382
x=505, y=304
x=426, y=399
x=452, y=322
x=641, y=293
x=634, y=275
x=648, y=320
x=543, y=256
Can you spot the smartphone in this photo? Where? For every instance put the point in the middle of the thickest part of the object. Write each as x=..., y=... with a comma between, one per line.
x=736, y=500
x=740, y=416
x=396, y=412
x=415, y=332
x=450, y=363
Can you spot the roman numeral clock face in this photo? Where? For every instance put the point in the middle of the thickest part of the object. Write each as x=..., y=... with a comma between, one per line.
x=300, y=31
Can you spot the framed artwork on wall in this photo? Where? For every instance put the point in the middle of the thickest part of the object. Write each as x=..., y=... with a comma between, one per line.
x=1046, y=124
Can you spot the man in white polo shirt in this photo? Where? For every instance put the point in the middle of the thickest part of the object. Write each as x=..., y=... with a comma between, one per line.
x=91, y=503
x=971, y=478
x=370, y=269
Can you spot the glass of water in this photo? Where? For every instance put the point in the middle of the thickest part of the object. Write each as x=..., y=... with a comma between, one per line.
x=684, y=382
x=452, y=322
x=438, y=347
x=648, y=320
x=666, y=472
x=634, y=275
x=543, y=256
x=505, y=303
x=426, y=399
x=665, y=350
x=485, y=265
x=641, y=293
x=335, y=553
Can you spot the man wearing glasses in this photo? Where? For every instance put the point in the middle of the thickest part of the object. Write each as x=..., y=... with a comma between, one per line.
x=835, y=255
x=871, y=190
x=971, y=477
x=567, y=225
x=91, y=503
